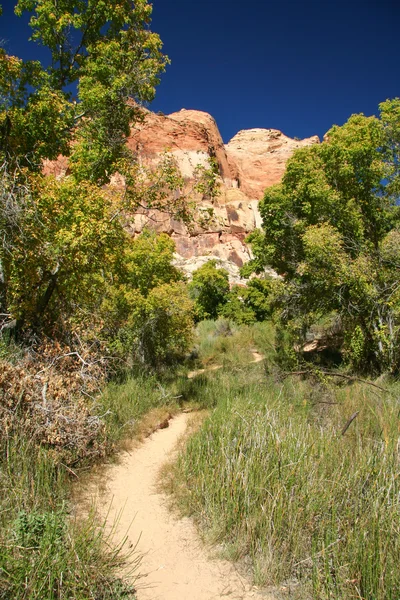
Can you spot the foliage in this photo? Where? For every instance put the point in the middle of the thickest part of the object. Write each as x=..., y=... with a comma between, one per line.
x=331, y=230
x=67, y=267
x=250, y=303
x=59, y=237
x=45, y=554
x=208, y=289
x=44, y=394
x=107, y=50
x=206, y=179
x=146, y=312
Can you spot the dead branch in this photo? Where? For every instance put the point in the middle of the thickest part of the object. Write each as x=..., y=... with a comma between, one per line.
x=349, y=422
x=84, y=363
x=333, y=374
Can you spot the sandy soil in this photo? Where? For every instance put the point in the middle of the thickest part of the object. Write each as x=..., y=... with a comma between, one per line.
x=257, y=357
x=175, y=564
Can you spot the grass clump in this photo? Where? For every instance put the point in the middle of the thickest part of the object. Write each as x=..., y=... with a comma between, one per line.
x=45, y=553
x=135, y=406
x=270, y=474
x=53, y=421
x=226, y=343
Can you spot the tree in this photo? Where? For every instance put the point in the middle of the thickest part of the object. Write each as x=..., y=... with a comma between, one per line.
x=146, y=312
x=327, y=229
x=59, y=244
x=208, y=289
x=250, y=303
x=61, y=239
x=103, y=49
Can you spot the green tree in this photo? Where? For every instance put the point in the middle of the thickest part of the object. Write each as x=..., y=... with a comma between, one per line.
x=250, y=303
x=108, y=52
x=327, y=229
x=60, y=239
x=146, y=311
x=209, y=289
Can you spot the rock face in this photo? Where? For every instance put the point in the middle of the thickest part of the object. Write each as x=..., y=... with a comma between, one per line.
x=253, y=160
x=191, y=136
x=258, y=157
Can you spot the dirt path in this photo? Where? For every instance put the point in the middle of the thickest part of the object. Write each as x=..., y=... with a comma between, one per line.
x=175, y=564
x=257, y=357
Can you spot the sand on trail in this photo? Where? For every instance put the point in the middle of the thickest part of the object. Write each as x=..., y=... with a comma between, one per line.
x=175, y=564
x=257, y=357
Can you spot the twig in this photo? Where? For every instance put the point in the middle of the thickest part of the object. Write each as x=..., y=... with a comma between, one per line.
x=70, y=470
x=333, y=374
x=83, y=361
x=44, y=390
x=318, y=553
x=349, y=422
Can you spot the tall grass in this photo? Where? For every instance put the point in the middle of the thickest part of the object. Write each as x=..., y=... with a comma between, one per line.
x=230, y=345
x=272, y=476
x=46, y=554
x=124, y=404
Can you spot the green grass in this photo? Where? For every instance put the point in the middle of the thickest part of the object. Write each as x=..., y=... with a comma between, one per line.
x=45, y=553
x=271, y=475
x=225, y=343
x=125, y=404
x=268, y=474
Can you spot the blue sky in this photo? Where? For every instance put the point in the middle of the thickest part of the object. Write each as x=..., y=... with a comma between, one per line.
x=298, y=66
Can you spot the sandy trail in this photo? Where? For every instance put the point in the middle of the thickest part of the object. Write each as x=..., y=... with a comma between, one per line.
x=257, y=357
x=175, y=564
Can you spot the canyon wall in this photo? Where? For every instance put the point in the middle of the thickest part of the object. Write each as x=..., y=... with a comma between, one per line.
x=253, y=160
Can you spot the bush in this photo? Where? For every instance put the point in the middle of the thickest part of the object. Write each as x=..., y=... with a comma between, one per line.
x=209, y=289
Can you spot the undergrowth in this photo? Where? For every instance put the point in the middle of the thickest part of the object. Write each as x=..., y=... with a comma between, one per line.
x=45, y=553
x=54, y=422
x=272, y=475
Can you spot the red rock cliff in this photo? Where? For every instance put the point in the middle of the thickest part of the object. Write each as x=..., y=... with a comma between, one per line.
x=253, y=160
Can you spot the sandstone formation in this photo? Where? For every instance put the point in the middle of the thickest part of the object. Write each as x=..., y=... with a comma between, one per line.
x=253, y=160
x=258, y=158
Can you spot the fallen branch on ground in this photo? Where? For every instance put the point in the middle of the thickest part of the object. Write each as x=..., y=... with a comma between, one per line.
x=332, y=374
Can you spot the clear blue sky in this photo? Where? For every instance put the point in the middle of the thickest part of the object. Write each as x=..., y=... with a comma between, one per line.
x=295, y=65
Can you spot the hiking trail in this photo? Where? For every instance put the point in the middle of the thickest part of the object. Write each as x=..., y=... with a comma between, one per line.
x=176, y=565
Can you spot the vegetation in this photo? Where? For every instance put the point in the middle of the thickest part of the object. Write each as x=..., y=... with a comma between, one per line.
x=299, y=475
x=63, y=240
x=280, y=473
x=146, y=311
x=44, y=552
x=331, y=230
x=208, y=289
x=251, y=303
x=74, y=288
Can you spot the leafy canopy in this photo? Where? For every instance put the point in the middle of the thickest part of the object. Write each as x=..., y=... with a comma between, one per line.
x=107, y=51
x=66, y=264
x=329, y=229
x=146, y=311
x=208, y=289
